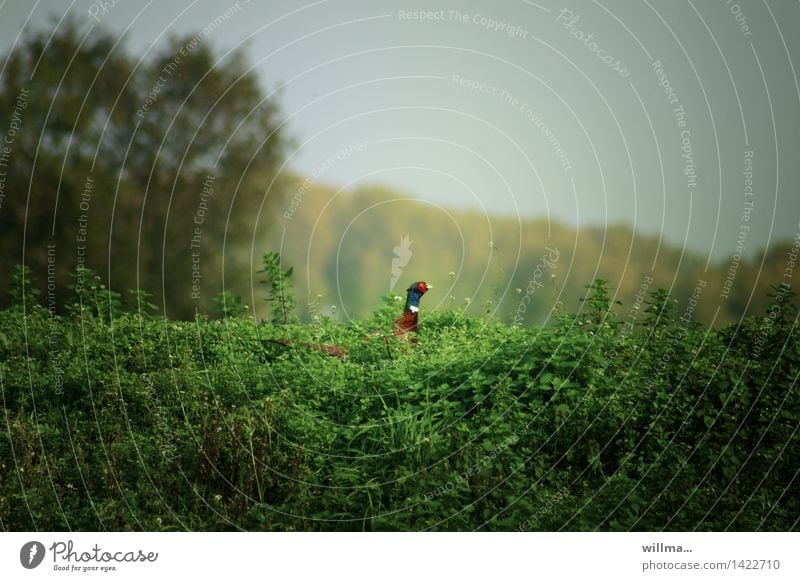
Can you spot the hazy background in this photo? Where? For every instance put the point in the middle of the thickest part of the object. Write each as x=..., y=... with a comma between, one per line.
x=367, y=98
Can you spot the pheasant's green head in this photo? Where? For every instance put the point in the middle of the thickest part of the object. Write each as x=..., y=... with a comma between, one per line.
x=414, y=293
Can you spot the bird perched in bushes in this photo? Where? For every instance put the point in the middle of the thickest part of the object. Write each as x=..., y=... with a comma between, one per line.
x=408, y=321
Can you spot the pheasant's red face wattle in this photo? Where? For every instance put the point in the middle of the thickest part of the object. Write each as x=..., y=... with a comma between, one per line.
x=423, y=287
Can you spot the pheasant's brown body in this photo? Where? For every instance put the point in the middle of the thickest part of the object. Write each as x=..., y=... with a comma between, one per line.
x=405, y=324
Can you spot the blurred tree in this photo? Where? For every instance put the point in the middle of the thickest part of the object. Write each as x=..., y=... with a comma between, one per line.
x=154, y=170
x=348, y=261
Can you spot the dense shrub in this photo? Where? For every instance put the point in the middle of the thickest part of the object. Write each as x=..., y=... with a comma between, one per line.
x=117, y=421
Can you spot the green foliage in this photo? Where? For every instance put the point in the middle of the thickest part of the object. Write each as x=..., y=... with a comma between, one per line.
x=127, y=422
x=23, y=287
x=280, y=298
x=659, y=309
x=90, y=295
x=383, y=317
x=781, y=306
x=141, y=302
x=228, y=304
x=598, y=303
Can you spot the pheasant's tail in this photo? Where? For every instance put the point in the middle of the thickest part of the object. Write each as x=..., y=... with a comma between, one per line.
x=332, y=350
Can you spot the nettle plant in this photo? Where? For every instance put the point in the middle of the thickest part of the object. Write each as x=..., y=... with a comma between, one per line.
x=229, y=305
x=598, y=304
x=659, y=310
x=23, y=287
x=91, y=297
x=280, y=298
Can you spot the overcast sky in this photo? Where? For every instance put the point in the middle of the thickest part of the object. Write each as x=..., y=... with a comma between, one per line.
x=646, y=113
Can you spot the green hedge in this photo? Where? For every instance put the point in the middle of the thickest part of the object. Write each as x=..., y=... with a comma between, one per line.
x=125, y=422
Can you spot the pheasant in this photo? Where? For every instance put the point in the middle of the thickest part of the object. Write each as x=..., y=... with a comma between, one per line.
x=408, y=321
x=403, y=325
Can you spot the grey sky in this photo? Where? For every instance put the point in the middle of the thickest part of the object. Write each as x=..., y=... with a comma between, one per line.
x=508, y=107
